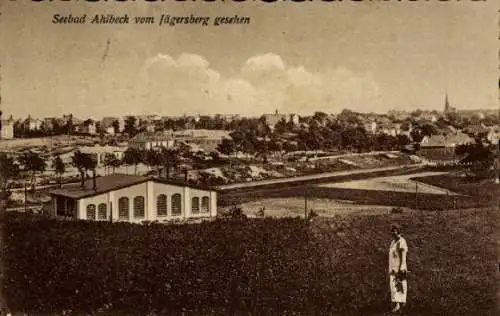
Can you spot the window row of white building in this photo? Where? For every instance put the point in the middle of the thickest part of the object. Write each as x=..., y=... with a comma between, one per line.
x=163, y=209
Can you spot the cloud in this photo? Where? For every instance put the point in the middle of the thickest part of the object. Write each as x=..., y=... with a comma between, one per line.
x=187, y=84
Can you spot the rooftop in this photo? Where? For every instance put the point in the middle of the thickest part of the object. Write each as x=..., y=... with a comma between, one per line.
x=152, y=136
x=114, y=182
x=446, y=140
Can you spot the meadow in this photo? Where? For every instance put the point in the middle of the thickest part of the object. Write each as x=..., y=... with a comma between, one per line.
x=287, y=266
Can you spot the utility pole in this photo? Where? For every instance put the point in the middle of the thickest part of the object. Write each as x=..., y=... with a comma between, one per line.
x=416, y=195
x=25, y=197
x=305, y=202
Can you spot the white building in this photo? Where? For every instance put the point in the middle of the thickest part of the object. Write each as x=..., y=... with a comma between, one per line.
x=107, y=124
x=208, y=140
x=7, y=128
x=146, y=141
x=32, y=124
x=88, y=127
x=100, y=152
x=273, y=119
x=127, y=198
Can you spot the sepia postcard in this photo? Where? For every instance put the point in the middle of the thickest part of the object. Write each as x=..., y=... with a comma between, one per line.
x=264, y=157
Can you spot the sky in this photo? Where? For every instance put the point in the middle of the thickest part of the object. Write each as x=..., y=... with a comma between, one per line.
x=292, y=57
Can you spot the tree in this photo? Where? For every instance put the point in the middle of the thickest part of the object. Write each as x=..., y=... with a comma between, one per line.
x=479, y=157
x=59, y=168
x=402, y=140
x=416, y=113
x=152, y=159
x=226, y=147
x=281, y=127
x=247, y=146
x=133, y=157
x=416, y=134
x=111, y=161
x=116, y=126
x=33, y=163
x=262, y=150
x=130, y=126
x=355, y=139
x=169, y=159
x=9, y=170
x=83, y=162
x=429, y=129
x=385, y=142
x=69, y=124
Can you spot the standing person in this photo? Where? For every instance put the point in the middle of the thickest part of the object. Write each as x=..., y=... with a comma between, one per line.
x=397, y=269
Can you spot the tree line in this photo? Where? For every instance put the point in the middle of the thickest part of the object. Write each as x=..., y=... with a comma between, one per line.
x=33, y=164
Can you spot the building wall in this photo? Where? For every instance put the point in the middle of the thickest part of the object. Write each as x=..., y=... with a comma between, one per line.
x=151, y=191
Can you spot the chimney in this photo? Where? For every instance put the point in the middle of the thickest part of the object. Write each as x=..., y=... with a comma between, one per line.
x=185, y=175
x=94, y=184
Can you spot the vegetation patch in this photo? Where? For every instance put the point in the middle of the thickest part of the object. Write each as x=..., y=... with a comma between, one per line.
x=334, y=266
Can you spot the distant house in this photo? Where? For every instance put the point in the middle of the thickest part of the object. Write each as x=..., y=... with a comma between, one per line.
x=493, y=135
x=87, y=127
x=48, y=123
x=74, y=121
x=476, y=129
x=442, y=147
x=148, y=118
x=390, y=129
x=110, y=130
x=127, y=198
x=148, y=140
x=207, y=140
x=399, y=115
x=7, y=127
x=370, y=127
x=272, y=119
x=100, y=152
x=428, y=116
x=32, y=124
x=446, y=141
x=108, y=122
x=150, y=127
x=230, y=117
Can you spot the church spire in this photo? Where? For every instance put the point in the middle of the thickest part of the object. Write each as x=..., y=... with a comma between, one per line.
x=446, y=103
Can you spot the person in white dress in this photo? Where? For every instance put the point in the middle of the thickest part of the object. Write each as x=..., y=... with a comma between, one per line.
x=398, y=251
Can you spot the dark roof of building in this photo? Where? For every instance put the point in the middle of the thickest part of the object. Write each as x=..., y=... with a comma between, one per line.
x=116, y=182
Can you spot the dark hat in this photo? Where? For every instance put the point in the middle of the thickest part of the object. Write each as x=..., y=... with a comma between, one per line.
x=396, y=227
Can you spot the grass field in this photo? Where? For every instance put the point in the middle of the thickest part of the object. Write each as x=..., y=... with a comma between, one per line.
x=400, y=183
x=294, y=207
x=485, y=188
x=332, y=266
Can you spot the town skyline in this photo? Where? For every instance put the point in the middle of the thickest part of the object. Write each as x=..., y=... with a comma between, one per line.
x=365, y=57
